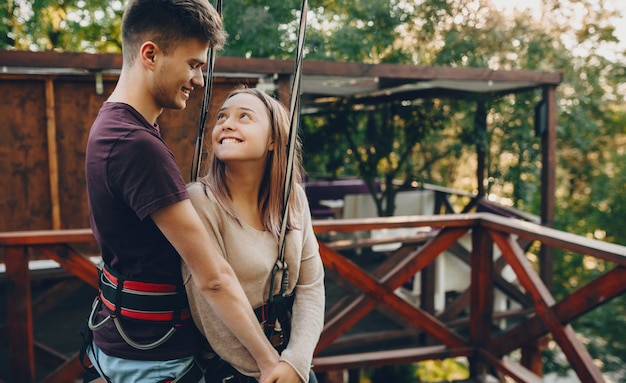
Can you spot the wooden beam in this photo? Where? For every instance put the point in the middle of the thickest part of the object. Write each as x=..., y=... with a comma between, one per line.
x=51, y=297
x=532, y=355
x=107, y=61
x=428, y=276
x=72, y=261
x=356, y=309
x=508, y=288
x=19, y=315
x=53, y=157
x=283, y=84
x=48, y=356
x=454, y=308
x=481, y=295
x=594, y=294
x=46, y=237
x=396, y=222
x=548, y=182
x=480, y=137
x=512, y=370
x=610, y=252
x=390, y=357
x=405, y=252
x=576, y=353
x=51, y=59
x=348, y=244
x=384, y=294
x=69, y=371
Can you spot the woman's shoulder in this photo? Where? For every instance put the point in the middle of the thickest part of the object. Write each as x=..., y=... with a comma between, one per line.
x=206, y=203
x=300, y=194
x=300, y=191
x=302, y=201
x=199, y=193
x=195, y=189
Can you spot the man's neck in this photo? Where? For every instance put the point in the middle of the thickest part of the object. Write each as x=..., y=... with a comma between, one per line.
x=131, y=89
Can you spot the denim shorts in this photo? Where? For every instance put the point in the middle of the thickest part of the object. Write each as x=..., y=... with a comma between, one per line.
x=137, y=371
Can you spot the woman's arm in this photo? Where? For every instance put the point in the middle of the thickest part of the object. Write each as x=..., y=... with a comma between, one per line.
x=309, y=304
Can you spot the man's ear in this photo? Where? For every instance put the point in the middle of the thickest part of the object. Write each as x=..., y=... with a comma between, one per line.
x=149, y=51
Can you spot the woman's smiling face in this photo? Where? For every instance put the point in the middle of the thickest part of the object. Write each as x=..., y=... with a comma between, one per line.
x=242, y=131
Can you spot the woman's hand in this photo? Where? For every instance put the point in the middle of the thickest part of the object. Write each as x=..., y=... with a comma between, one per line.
x=284, y=373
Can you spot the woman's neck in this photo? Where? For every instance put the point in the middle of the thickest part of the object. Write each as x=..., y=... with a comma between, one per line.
x=244, y=192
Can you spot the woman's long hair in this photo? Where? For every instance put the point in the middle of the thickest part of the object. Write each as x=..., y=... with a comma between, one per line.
x=270, y=198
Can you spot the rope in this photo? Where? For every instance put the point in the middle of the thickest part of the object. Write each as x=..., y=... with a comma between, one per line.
x=294, y=112
x=206, y=102
x=294, y=118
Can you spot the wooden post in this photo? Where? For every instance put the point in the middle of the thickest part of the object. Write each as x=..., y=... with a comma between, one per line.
x=480, y=133
x=427, y=295
x=532, y=353
x=283, y=84
x=548, y=183
x=53, y=159
x=481, y=296
x=19, y=315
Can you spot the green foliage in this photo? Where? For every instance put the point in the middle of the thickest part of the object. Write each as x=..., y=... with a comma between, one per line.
x=387, y=141
x=446, y=370
x=71, y=25
x=357, y=30
x=260, y=28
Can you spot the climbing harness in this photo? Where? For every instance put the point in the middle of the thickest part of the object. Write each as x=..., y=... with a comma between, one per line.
x=137, y=300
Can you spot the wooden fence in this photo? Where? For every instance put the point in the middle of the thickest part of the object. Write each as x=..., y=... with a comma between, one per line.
x=467, y=327
x=45, y=124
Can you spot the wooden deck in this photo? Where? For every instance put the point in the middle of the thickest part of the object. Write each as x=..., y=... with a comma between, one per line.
x=468, y=326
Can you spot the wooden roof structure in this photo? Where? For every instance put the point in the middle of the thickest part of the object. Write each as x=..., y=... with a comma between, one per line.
x=325, y=80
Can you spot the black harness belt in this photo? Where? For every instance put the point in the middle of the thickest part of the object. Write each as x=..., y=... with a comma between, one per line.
x=157, y=302
x=275, y=317
x=142, y=301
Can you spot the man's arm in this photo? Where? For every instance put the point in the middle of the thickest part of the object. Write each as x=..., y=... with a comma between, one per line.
x=215, y=279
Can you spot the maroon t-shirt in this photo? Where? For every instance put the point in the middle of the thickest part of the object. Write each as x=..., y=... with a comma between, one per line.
x=130, y=174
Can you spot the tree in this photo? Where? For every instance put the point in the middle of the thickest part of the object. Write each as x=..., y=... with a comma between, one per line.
x=390, y=141
x=72, y=25
x=261, y=28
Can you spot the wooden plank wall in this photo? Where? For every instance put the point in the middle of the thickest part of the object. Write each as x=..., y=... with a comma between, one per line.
x=42, y=182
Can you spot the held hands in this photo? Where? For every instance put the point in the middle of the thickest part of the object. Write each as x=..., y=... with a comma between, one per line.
x=282, y=373
x=268, y=368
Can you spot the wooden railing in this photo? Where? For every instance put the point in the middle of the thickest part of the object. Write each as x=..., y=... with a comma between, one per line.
x=18, y=249
x=468, y=326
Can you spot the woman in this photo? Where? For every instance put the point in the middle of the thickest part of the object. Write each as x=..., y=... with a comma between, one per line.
x=240, y=203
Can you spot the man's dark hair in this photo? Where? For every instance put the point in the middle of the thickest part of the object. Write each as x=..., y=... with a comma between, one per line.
x=167, y=23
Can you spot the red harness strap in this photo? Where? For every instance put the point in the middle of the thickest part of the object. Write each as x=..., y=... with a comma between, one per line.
x=157, y=302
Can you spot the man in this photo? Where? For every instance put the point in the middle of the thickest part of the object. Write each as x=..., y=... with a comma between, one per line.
x=140, y=212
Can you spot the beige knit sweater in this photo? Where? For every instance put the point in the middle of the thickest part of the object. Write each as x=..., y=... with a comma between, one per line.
x=252, y=254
